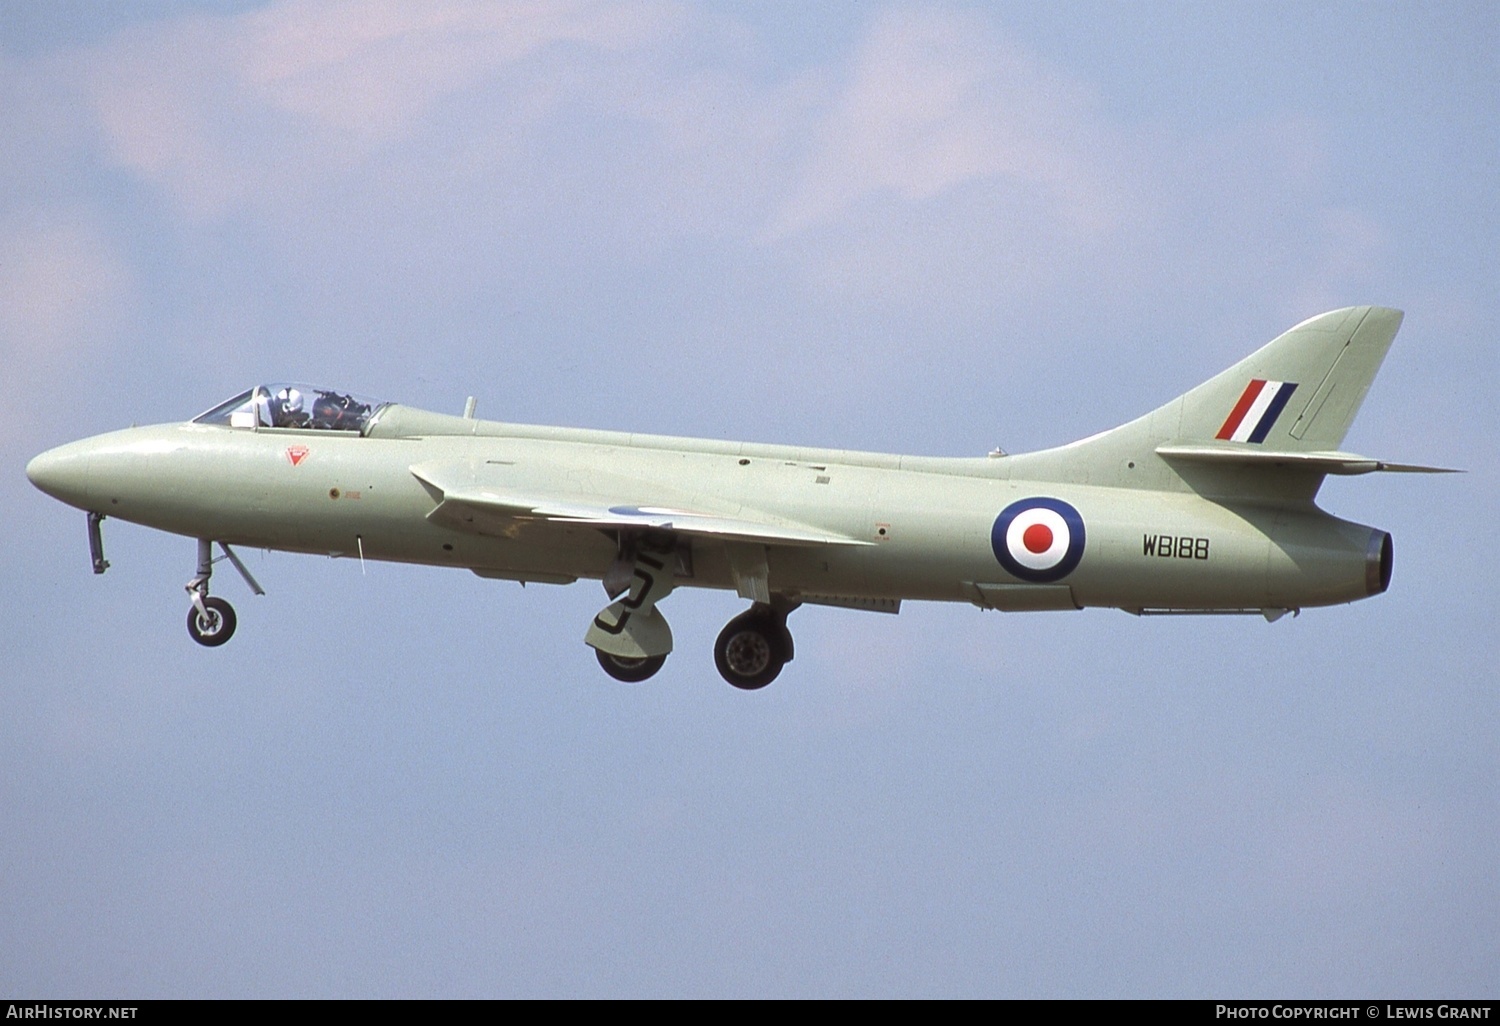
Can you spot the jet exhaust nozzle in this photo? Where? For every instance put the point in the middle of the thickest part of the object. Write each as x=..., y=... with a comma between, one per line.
x=1378, y=560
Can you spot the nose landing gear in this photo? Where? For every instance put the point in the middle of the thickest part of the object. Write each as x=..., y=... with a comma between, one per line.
x=211, y=620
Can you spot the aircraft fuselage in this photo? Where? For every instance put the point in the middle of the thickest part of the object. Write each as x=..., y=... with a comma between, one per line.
x=928, y=522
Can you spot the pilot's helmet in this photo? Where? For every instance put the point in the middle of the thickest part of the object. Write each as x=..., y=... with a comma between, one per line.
x=290, y=400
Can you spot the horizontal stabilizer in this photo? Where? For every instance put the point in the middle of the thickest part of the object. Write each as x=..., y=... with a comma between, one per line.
x=1321, y=462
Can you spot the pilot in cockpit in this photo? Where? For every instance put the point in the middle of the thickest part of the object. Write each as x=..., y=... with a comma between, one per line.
x=287, y=410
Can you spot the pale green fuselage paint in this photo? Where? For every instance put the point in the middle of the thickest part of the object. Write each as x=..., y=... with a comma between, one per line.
x=928, y=521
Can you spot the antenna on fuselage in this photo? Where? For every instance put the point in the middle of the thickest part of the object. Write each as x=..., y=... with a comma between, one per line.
x=469, y=408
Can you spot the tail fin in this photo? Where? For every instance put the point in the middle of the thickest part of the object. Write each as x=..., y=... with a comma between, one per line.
x=1300, y=392
x=1267, y=428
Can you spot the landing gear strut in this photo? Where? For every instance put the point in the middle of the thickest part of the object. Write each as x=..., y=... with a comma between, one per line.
x=753, y=647
x=211, y=620
x=630, y=636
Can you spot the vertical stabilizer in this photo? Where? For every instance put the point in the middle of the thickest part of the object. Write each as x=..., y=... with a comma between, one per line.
x=1300, y=392
x=1297, y=394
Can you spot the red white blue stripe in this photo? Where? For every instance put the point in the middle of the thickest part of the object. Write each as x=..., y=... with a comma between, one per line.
x=1255, y=413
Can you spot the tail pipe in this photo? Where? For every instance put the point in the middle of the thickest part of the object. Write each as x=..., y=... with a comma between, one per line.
x=1379, y=556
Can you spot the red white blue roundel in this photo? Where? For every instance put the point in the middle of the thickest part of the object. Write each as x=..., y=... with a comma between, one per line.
x=1038, y=539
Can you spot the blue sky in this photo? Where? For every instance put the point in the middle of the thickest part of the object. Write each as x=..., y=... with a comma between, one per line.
x=916, y=228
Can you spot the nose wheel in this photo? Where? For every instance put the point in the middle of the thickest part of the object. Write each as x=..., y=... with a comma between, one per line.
x=212, y=625
x=753, y=647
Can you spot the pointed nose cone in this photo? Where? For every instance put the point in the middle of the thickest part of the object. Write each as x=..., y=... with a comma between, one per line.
x=63, y=473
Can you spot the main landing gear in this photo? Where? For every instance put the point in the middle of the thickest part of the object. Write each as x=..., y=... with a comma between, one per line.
x=631, y=638
x=211, y=620
x=628, y=670
x=751, y=650
x=753, y=647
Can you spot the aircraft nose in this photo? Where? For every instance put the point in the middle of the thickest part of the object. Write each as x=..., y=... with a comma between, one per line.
x=62, y=473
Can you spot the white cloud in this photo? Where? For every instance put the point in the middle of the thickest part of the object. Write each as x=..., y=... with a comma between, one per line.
x=162, y=102
x=934, y=101
x=64, y=292
x=933, y=176
x=368, y=70
x=933, y=163
x=248, y=109
x=60, y=282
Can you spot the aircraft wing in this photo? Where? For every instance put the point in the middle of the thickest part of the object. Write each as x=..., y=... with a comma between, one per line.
x=483, y=507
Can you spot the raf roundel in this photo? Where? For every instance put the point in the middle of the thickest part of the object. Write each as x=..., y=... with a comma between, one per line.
x=1038, y=539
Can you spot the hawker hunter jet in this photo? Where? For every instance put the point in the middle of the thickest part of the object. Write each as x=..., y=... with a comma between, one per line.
x=1205, y=505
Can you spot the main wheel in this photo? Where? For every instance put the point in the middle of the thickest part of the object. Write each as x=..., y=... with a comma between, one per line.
x=751, y=651
x=631, y=671
x=215, y=628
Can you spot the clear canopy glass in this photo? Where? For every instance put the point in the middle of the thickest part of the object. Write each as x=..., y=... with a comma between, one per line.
x=284, y=405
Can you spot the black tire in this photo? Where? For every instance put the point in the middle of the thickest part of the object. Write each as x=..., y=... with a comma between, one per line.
x=631, y=671
x=214, y=629
x=751, y=650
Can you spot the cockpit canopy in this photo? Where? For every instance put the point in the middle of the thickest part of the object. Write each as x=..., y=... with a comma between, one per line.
x=284, y=405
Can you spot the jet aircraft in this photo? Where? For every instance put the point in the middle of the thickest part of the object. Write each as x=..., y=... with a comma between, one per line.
x=1204, y=505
